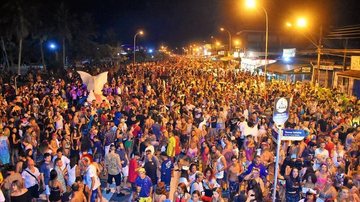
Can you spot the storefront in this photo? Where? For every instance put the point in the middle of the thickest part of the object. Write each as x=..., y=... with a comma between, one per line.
x=289, y=72
x=348, y=82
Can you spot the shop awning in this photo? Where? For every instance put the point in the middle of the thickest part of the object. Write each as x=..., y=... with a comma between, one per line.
x=283, y=68
x=350, y=73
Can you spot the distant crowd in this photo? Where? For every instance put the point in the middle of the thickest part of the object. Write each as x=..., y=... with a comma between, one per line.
x=181, y=129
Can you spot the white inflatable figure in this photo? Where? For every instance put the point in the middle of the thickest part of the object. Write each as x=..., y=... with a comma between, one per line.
x=94, y=85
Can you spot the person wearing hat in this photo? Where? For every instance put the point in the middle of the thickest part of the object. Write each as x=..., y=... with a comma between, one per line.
x=166, y=170
x=113, y=166
x=144, y=186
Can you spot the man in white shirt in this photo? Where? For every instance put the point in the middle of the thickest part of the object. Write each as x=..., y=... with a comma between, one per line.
x=31, y=177
x=91, y=179
x=65, y=160
x=197, y=184
x=321, y=154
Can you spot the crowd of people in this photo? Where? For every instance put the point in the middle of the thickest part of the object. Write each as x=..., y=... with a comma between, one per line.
x=182, y=129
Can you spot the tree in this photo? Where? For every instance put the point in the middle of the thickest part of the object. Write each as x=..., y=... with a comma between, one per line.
x=17, y=22
x=41, y=29
x=64, y=21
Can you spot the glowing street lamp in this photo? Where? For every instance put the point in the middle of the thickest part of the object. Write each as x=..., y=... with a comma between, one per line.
x=251, y=4
x=288, y=24
x=223, y=29
x=301, y=22
x=137, y=33
x=52, y=46
x=237, y=42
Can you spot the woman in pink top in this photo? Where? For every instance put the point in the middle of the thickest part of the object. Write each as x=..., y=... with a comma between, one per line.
x=322, y=176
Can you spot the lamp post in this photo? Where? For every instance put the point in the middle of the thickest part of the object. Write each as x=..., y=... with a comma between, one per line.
x=252, y=4
x=302, y=23
x=137, y=33
x=223, y=29
x=53, y=47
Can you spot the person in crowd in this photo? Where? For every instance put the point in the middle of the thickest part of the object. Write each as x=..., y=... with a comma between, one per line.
x=55, y=187
x=309, y=197
x=62, y=175
x=77, y=195
x=166, y=170
x=31, y=176
x=45, y=169
x=4, y=149
x=195, y=196
x=257, y=164
x=113, y=167
x=210, y=184
x=91, y=178
x=233, y=173
x=328, y=192
x=197, y=183
x=133, y=167
x=124, y=159
x=19, y=193
x=192, y=172
x=11, y=177
x=144, y=186
x=160, y=192
x=293, y=186
x=181, y=194
x=220, y=166
x=217, y=196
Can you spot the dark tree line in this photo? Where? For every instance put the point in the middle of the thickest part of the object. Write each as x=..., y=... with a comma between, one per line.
x=27, y=26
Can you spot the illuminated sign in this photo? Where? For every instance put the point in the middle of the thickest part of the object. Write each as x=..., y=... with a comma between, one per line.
x=355, y=63
x=289, y=53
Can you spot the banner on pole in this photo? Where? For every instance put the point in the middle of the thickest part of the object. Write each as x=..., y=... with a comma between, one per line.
x=281, y=110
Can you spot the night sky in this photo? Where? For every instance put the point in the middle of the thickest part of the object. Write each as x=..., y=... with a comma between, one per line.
x=180, y=22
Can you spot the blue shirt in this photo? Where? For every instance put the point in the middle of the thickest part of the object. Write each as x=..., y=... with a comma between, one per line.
x=156, y=129
x=165, y=170
x=45, y=169
x=145, y=185
x=118, y=116
x=261, y=167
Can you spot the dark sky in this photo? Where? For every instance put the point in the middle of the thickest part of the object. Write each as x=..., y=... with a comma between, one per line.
x=180, y=22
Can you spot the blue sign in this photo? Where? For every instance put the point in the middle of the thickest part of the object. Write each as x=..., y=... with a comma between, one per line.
x=291, y=134
x=281, y=110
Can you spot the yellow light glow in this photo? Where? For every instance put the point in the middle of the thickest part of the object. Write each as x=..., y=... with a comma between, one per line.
x=218, y=43
x=141, y=32
x=288, y=24
x=250, y=3
x=301, y=22
x=222, y=29
x=237, y=42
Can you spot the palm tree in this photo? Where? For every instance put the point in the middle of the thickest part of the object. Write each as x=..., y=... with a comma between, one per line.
x=64, y=22
x=40, y=32
x=16, y=21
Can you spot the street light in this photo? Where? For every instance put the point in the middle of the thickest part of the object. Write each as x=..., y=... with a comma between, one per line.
x=237, y=42
x=252, y=5
x=137, y=33
x=53, y=47
x=302, y=23
x=223, y=29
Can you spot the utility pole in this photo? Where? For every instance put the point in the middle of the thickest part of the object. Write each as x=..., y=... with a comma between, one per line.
x=319, y=55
